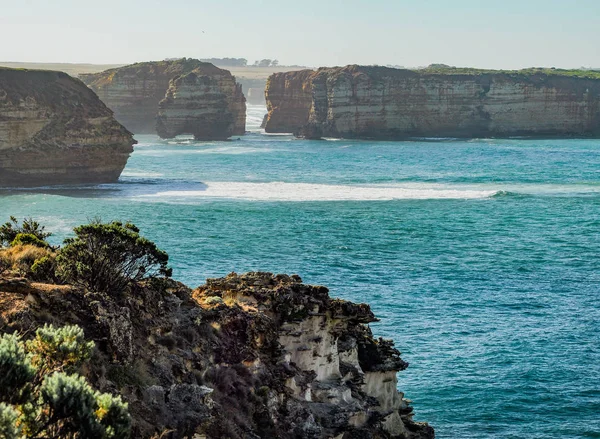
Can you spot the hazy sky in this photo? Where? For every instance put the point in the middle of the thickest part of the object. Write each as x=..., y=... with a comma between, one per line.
x=494, y=34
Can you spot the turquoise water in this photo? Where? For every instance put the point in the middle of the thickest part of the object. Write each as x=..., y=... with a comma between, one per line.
x=480, y=257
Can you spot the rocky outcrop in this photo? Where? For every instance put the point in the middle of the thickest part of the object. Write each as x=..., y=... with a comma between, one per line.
x=250, y=356
x=207, y=102
x=185, y=94
x=55, y=130
x=385, y=103
x=289, y=101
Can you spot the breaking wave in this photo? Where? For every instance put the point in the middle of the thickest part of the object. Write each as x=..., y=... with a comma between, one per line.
x=279, y=191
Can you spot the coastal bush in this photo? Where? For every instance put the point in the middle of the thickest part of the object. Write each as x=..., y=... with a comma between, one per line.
x=44, y=269
x=41, y=397
x=28, y=239
x=8, y=422
x=109, y=257
x=10, y=230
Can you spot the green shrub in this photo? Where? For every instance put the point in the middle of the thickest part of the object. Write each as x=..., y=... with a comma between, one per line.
x=28, y=239
x=8, y=422
x=113, y=415
x=16, y=370
x=54, y=349
x=10, y=230
x=40, y=399
x=44, y=269
x=110, y=257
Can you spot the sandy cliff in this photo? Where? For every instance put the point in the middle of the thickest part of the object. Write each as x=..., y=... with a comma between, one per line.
x=385, y=103
x=249, y=356
x=136, y=92
x=55, y=130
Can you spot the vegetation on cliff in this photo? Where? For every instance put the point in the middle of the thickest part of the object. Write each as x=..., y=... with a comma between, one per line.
x=10, y=230
x=42, y=396
x=109, y=258
x=531, y=71
x=245, y=356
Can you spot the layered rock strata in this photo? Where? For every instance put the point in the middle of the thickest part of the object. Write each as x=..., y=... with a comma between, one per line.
x=55, y=130
x=207, y=103
x=184, y=96
x=250, y=356
x=385, y=103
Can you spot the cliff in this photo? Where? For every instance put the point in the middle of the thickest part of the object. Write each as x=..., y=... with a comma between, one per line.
x=249, y=356
x=207, y=102
x=289, y=100
x=55, y=130
x=385, y=103
x=136, y=92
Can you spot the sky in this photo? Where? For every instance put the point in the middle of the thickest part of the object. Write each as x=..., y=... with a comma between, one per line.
x=487, y=34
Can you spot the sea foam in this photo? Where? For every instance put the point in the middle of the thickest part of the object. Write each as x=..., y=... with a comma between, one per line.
x=280, y=191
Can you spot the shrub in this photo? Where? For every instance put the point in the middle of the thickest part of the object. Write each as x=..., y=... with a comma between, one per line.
x=28, y=239
x=10, y=230
x=54, y=349
x=110, y=257
x=39, y=398
x=44, y=269
x=8, y=422
x=16, y=370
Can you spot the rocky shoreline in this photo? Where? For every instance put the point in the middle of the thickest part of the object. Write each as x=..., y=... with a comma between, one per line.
x=245, y=356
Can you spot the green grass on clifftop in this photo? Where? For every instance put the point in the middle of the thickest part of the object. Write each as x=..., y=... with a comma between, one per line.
x=575, y=73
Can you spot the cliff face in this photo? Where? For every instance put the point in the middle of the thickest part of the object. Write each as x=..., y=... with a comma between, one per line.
x=134, y=93
x=289, y=101
x=247, y=356
x=384, y=103
x=206, y=102
x=55, y=130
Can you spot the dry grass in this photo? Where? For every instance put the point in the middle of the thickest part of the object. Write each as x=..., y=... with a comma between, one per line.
x=20, y=258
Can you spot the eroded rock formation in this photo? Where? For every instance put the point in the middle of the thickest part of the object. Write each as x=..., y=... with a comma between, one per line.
x=385, y=103
x=55, y=130
x=184, y=96
x=206, y=102
x=249, y=356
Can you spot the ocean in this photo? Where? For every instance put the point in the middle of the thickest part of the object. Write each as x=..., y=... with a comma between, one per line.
x=481, y=257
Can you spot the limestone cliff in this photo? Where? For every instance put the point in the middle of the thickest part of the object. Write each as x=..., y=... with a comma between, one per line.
x=289, y=101
x=385, y=103
x=55, y=130
x=207, y=102
x=250, y=356
x=134, y=93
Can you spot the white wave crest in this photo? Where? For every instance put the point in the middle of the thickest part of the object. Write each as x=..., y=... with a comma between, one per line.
x=223, y=148
x=279, y=191
x=140, y=174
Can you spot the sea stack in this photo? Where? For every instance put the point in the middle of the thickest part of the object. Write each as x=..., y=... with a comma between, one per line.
x=364, y=102
x=184, y=96
x=55, y=130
